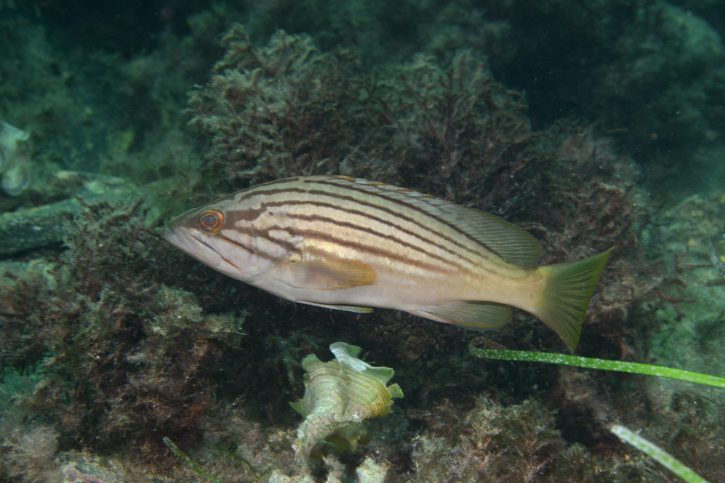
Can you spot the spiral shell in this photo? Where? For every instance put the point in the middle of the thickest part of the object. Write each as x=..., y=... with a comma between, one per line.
x=339, y=395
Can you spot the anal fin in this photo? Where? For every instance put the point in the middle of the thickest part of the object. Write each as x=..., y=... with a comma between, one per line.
x=468, y=314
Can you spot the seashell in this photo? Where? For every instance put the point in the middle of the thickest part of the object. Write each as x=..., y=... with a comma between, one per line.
x=9, y=138
x=17, y=176
x=339, y=396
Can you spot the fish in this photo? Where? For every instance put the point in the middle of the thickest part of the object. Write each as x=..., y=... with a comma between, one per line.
x=352, y=244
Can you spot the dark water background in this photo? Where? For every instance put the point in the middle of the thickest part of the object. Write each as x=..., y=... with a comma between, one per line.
x=591, y=124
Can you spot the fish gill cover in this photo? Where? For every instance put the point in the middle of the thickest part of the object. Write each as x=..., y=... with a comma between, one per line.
x=590, y=125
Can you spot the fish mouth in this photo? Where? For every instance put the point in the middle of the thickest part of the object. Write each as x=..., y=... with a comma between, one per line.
x=193, y=245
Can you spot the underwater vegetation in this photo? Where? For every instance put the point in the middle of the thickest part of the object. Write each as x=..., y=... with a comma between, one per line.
x=110, y=370
x=658, y=454
x=599, y=62
x=655, y=54
x=566, y=119
x=425, y=127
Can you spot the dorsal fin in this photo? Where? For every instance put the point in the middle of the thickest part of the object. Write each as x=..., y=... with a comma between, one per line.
x=511, y=243
x=508, y=241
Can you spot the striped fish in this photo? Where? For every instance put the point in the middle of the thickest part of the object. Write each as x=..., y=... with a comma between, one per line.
x=352, y=244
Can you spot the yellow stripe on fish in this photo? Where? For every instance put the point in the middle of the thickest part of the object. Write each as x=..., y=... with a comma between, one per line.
x=352, y=244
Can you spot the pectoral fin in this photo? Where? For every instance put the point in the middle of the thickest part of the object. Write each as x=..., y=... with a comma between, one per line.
x=331, y=274
x=470, y=315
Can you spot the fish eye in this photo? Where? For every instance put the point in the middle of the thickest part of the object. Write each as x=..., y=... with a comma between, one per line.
x=211, y=221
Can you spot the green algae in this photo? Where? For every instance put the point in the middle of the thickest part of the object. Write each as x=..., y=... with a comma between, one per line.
x=599, y=364
x=656, y=453
x=186, y=460
x=688, y=240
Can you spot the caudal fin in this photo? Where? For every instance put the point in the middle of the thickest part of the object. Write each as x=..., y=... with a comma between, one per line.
x=567, y=293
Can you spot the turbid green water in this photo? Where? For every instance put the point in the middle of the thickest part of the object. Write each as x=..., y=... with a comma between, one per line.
x=591, y=125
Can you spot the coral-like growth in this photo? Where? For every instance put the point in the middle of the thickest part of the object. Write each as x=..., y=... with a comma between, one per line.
x=688, y=239
x=455, y=132
x=129, y=334
x=130, y=358
x=29, y=456
x=451, y=130
x=21, y=327
x=513, y=443
x=280, y=110
x=288, y=109
x=619, y=55
x=692, y=428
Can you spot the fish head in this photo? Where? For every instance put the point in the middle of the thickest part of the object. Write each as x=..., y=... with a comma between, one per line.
x=210, y=234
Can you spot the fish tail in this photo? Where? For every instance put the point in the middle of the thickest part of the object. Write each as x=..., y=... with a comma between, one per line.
x=566, y=294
